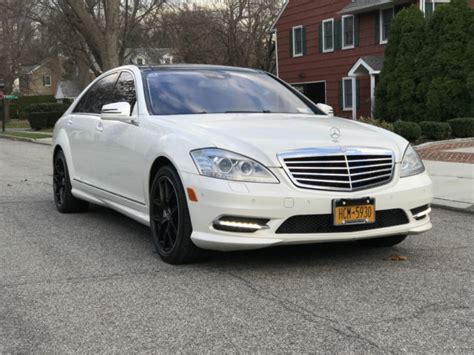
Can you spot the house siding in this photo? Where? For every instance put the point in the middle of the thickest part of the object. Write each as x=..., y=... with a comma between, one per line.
x=330, y=67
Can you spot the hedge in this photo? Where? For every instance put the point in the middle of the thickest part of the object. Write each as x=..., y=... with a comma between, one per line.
x=435, y=130
x=379, y=123
x=462, y=127
x=17, y=109
x=42, y=120
x=47, y=107
x=408, y=130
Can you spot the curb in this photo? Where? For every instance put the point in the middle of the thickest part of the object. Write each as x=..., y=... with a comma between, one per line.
x=455, y=206
x=23, y=139
x=456, y=140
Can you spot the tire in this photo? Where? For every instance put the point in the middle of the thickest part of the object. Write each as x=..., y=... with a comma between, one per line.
x=63, y=198
x=383, y=242
x=169, y=219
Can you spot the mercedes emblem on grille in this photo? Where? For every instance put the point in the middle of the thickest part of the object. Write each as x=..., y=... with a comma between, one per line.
x=335, y=133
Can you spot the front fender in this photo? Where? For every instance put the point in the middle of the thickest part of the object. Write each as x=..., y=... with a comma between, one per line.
x=60, y=139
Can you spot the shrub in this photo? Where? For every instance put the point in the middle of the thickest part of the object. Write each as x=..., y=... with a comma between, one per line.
x=462, y=127
x=379, y=123
x=17, y=110
x=435, y=130
x=408, y=130
x=47, y=107
x=42, y=120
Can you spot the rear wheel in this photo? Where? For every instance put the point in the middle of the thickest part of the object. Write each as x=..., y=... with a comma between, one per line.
x=63, y=198
x=169, y=219
x=383, y=242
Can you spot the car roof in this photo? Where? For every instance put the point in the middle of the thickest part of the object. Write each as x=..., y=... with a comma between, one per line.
x=192, y=67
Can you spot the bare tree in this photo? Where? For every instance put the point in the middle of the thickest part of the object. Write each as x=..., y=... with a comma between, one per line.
x=17, y=38
x=236, y=33
x=98, y=28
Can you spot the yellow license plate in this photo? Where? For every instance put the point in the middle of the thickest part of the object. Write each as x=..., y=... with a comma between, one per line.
x=360, y=211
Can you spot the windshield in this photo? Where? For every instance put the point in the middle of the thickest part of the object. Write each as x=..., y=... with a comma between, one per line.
x=185, y=92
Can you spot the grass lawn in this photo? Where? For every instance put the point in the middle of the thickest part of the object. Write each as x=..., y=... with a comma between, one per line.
x=31, y=135
x=18, y=124
x=15, y=124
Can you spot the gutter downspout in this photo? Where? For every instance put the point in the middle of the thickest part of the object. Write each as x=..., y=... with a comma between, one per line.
x=277, y=62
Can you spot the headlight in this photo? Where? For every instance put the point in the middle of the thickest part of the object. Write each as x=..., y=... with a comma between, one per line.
x=226, y=165
x=411, y=163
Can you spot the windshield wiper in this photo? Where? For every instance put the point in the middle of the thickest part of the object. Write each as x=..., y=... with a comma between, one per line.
x=264, y=111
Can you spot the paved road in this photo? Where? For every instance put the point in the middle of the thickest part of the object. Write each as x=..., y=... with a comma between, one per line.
x=92, y=283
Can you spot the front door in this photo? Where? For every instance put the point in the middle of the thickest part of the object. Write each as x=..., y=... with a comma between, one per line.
x=120, y=162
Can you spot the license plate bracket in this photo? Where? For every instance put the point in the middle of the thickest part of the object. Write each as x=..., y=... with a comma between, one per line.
x=354, y=211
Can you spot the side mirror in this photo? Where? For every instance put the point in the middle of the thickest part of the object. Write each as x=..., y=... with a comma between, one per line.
x=117, y=111
x=328, y=110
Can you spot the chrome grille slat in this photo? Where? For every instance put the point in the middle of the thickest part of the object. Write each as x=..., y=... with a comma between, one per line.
x=320, y=168
x=371, y=178
x=371, y=172
x=339, y=169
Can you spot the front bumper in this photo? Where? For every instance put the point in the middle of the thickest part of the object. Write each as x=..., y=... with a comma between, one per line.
x=278, y=202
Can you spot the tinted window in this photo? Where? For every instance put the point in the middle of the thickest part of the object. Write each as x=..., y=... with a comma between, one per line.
x=100, y=94
x=125, y=89
x=181, y=92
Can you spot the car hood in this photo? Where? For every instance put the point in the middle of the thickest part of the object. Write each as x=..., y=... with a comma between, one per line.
x=263, y=136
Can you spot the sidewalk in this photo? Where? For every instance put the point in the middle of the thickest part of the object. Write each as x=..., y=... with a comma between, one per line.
x=27, y=135
x=451, y=167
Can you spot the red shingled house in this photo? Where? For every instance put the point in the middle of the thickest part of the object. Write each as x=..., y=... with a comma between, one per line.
x=333, y=50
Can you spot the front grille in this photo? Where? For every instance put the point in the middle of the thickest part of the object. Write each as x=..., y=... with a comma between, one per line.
x=324, y=223
x=339, y=169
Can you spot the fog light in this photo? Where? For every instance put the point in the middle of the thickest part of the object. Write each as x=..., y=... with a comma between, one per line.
x=240, y=224
x=421, y=212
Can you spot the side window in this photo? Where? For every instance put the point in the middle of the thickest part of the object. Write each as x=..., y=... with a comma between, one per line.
x=125, y=89
x=100, y=94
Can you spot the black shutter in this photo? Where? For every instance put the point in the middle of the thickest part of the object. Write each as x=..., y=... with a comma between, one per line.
x=356, y=31
x=377, y=27
x=337, y=35
x=320, y=38
x=341, y=95
x=304, y=40
x=290, y=43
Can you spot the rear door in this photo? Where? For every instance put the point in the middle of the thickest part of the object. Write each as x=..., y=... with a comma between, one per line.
x=83, y=124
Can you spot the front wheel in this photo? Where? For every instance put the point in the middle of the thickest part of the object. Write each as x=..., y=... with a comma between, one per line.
x=63, y=198
x=383, y=242
x=169, y=219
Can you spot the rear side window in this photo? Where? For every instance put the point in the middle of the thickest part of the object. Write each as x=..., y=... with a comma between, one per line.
x=100, y=94
x=125, y=89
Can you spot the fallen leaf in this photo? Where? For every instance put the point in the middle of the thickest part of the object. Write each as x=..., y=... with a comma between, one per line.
x=398, y=258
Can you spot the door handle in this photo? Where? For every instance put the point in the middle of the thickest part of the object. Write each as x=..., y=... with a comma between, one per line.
x=99, y=127
x=69, y=122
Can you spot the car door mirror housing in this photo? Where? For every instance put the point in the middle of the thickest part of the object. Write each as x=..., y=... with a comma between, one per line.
x=117, y=111
x=328, y=110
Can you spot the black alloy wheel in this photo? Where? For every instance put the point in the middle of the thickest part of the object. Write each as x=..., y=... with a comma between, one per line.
x=169, y=219
x=166, y=214
x=63, y=198
x=59, y=181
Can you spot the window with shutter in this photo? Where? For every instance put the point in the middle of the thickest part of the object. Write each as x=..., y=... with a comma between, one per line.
x=386, y=17
x=298, y=41
x=328, y=35
x=348, y=32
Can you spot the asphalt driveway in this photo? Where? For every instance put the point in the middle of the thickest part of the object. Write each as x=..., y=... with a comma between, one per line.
x=91, y=282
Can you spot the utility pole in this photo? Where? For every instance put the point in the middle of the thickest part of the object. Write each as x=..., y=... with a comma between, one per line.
x=4, y=103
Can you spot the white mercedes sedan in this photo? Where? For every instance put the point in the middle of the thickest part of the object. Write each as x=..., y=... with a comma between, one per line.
x=228, y=159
